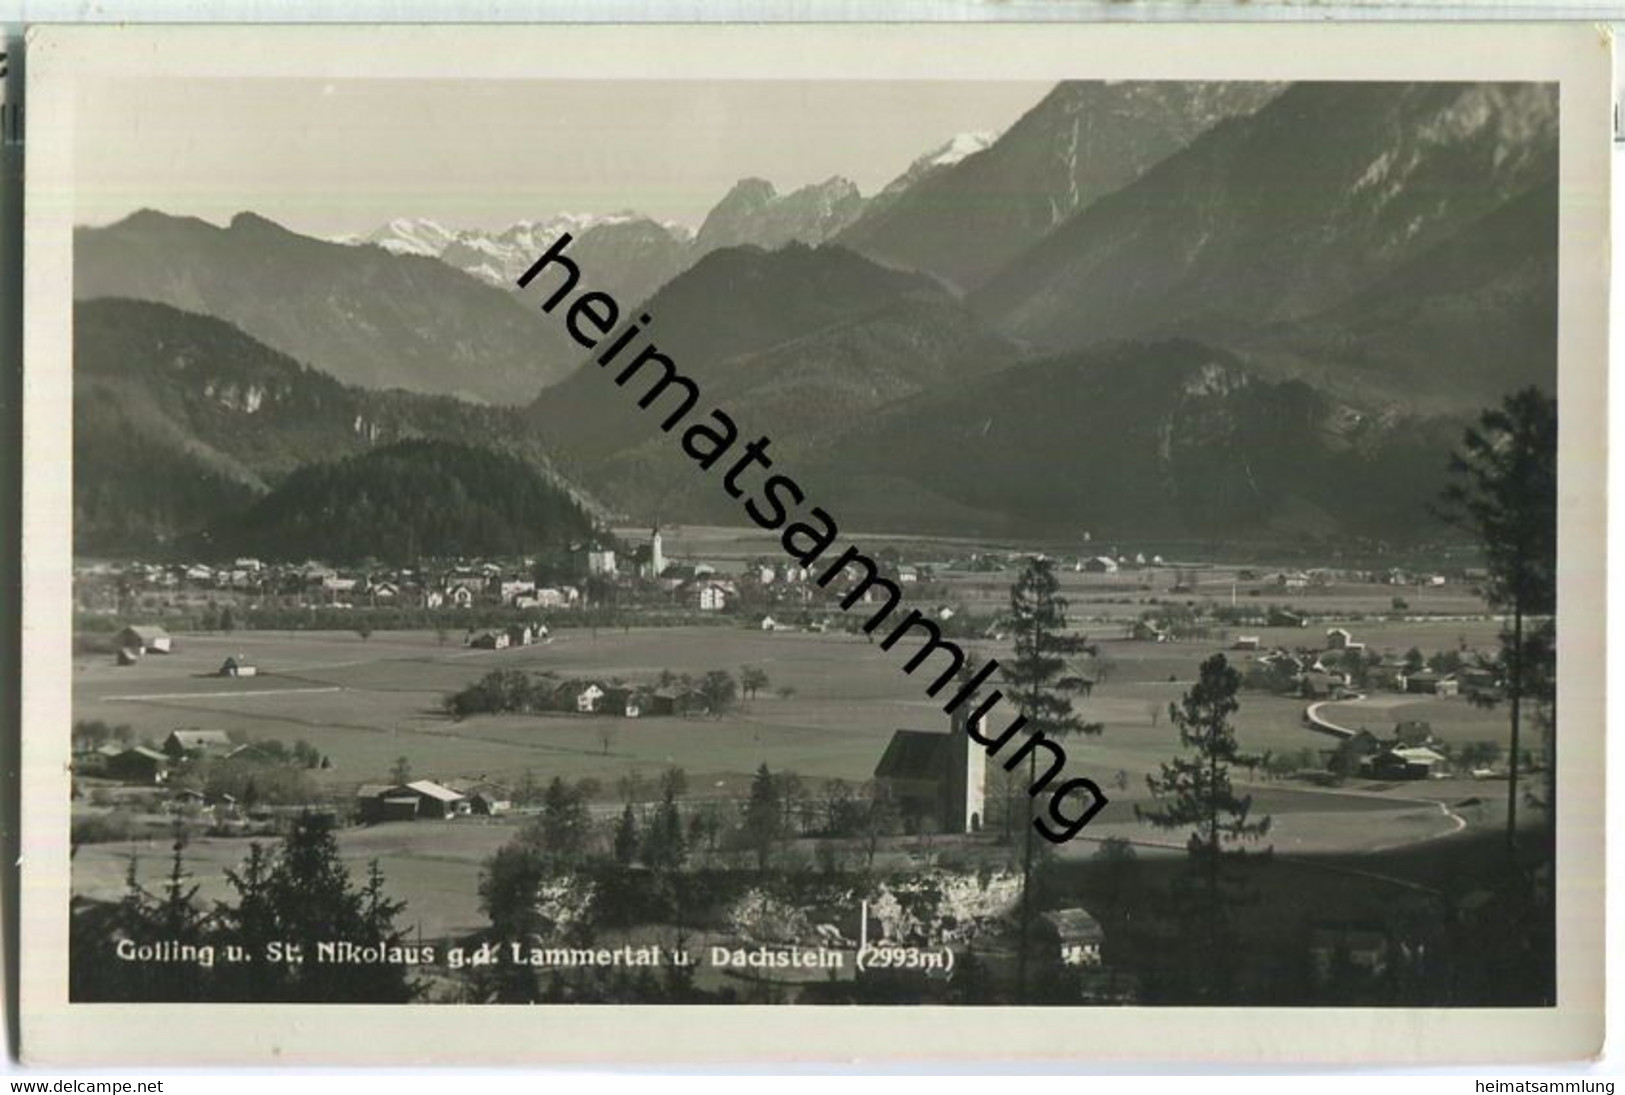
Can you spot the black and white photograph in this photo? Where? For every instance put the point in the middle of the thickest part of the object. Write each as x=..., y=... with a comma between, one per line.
x=1073, y=540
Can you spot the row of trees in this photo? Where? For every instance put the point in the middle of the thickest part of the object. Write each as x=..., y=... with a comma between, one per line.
x=515, y=691
x=297, y=894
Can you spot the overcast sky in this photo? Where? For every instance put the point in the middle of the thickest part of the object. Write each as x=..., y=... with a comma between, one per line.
x=345, y=156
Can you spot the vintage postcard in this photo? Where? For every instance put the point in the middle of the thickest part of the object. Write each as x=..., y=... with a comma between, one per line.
x=842, y=542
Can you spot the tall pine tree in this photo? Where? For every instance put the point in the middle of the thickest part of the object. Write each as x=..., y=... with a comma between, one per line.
x=1042, y=685
x=1505, y=494
x=1195, y=792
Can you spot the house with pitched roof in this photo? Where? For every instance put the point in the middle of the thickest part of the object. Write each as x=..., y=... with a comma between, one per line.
x=198, y=743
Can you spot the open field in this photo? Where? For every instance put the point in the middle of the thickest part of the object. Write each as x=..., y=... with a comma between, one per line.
x=367, y=702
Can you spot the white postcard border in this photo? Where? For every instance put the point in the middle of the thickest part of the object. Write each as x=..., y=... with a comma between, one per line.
x=55, y=1031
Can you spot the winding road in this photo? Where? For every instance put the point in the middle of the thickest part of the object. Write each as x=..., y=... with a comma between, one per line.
x=1312, y=716
x=1316, y=721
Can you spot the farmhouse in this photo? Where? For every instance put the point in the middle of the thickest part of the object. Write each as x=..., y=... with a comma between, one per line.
x=1339, y=639
x=93, y=762
x=1353, y=753
x=621, y=701
x=376, y=802
x=254, y=751
x=482, y=797
x=1427, y=682
x=145, y=639
x=579, y=696
x=939, y=781
x=198, y=743
x=1148, y=631
x=551, y=597
x=138, y=765
x=434, y=800
x=1316, y=683
x=710, y=597
x=1078, y=934
x=676, y=701
x=1387, y=675
x=238, y=666
x=1245, y=642
x=1395, y=763
x=490, y=640
x=1099, y=564
x=1477, y=682
x=508, y=590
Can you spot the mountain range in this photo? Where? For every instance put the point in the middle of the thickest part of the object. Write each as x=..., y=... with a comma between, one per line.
x=812, y=339
x=1225, y=310
x=362, y=315
x=632, y=255
x=1083, y=141
x=1317, y=197
x=180, y=419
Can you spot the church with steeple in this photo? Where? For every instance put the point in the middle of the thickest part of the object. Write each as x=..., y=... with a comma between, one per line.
x=938, y=780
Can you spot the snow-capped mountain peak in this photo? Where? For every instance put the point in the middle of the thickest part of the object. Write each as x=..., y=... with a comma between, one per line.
x=957, y=148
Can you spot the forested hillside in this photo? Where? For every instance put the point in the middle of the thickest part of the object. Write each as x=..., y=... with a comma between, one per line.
x=434, y=498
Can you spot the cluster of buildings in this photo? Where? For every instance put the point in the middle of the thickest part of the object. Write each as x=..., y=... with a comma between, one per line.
x=523, y=633
x=1407, y=755
x=144, y=765
x=597, y=569
x=1327, y=672
x=629, y=701
x=456, y=585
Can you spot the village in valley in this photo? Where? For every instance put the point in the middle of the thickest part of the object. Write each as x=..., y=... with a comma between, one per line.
x=687, y=702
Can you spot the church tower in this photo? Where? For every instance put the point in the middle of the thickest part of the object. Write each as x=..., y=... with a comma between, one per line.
x=657, y=558
x=965, y=788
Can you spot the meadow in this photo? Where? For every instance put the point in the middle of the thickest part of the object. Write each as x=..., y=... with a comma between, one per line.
x=366, y=702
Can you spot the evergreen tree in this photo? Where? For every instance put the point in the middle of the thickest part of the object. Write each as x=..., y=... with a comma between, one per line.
x=509, y=888
x=625, y=843
x=1506, y=496
x=763, y=823
x=315, y=902
x=1195, y=792
x=664, y=844
x=251, y=924
x=175, y=918
x=1042, y=685
x=565, y=827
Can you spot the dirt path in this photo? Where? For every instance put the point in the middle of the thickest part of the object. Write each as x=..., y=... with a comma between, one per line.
x=1318, y=722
